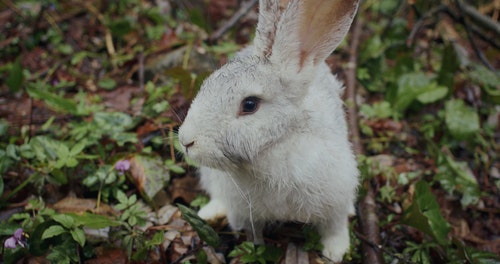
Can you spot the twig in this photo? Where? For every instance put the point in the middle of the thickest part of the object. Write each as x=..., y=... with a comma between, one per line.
x=141, y=70
x=381, y=248
x=367, y=208
x=474, y=29
x=421, y=21
x=481, y=19
x=107, y=32
x=14, y=8
x=244, y=9
x=478, y=52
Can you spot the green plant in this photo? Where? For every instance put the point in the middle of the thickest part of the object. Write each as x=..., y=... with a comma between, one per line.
x=206, y=232
x=133, y=212
x=247, y=252
x=313, y=239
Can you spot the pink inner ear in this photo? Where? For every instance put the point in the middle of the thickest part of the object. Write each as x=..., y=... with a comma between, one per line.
x=283, y=4
x=323, y=25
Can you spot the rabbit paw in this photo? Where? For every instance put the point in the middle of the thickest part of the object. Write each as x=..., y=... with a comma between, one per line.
x=214, y=210
x=334, y=247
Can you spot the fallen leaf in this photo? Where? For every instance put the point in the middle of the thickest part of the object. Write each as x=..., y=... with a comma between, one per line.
x=149, y=174
x=184, y=188
x=80, y=206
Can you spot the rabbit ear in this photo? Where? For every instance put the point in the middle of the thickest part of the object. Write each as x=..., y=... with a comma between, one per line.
x=309, y=30
x=270, y=12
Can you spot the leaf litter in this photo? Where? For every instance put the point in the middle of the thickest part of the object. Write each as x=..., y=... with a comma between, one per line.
x=55, y=80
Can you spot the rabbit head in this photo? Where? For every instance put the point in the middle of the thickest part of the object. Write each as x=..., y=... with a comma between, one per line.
x=253, y=102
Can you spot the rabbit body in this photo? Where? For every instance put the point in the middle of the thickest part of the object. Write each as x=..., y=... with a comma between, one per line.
x=290, y=159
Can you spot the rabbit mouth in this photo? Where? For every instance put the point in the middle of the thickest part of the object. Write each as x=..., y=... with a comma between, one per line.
x=211, y=156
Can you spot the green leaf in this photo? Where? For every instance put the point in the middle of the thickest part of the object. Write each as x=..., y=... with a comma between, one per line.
x=200, y=201
x=180, y=74
x=62, y=151
x=107, y=84
x=377, y=110
x=78, y=57
x=132, y=199
x=12, y=151
x=4, y=127
x=174, y=167
x=373, y=48
x=56, y=102
x=417, y=86
x=457, y=176
x=65, y=48
x=433, y=93
x=462, y=121
x=121, y=197
x=156, y=240
x=15, y=79
x=410, y=86
x=1, y=186
x=424, y=214
x=53, y=231
x=58, y=176
x=120, y=27
x=65, y=220
x=313, y=239
x=271, y=253
x=449, y=65
x=79, y=236
x=71, y=162
x=93, y=221
x=78, y=148
x=488, y=80
x=206, y=232
x=250, y=258
x=114, y=122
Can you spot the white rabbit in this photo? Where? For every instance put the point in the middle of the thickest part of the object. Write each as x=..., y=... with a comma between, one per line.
x=269, y=130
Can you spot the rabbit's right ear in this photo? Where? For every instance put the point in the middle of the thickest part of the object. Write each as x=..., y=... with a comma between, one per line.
x=270, y=12
x=300, y=34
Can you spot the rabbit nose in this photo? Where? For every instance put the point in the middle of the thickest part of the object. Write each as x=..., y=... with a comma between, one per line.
x=188, y=145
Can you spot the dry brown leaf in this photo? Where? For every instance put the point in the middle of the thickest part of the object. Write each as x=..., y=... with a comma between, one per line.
x=184, y=188
x=119, y=98
x=148, y=174
x=214, y=257
x=80, y=206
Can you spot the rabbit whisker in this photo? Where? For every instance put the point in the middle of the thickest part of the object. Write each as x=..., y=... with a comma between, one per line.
x=177, y=115
x=248, y=200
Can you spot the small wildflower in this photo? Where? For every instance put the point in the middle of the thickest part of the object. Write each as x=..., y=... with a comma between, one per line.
x=16, y=239
x=122, y=166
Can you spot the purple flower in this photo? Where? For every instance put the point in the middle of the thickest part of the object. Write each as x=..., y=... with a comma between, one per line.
x=122, y=166
x=16, y=239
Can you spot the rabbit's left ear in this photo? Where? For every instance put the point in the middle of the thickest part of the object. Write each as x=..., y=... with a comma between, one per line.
x=309, y=30
x=270, y=12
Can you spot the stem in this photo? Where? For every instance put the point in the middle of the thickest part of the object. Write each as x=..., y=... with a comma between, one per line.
x=367, y=207
x=98, y=203
x=21, y=186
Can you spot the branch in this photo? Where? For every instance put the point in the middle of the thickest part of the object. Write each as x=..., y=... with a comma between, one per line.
x=367, y=208
x=476, y=49
x=481, y=19
x=244, y=9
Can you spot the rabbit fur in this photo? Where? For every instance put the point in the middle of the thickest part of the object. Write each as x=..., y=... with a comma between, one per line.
x=290, y=159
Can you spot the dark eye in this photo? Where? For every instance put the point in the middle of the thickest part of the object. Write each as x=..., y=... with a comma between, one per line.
x=249, y=105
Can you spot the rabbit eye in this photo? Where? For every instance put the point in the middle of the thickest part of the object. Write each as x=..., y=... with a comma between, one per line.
x=249, y=105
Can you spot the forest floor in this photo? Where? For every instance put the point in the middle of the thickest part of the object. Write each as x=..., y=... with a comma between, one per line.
x=92, y=94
